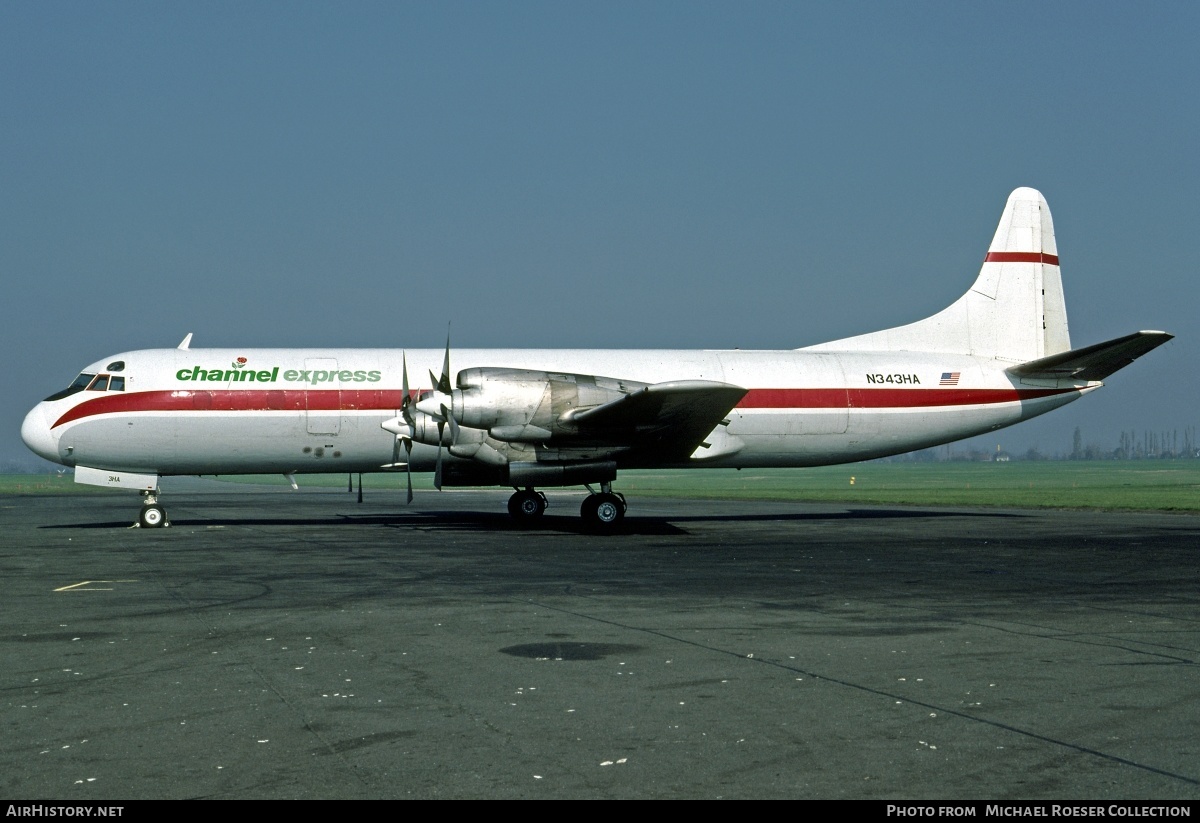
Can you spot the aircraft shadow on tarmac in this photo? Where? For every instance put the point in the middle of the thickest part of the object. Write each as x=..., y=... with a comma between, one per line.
x=499, y=522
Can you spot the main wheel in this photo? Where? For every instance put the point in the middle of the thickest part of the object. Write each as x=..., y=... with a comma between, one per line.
x=153, y=516
x=527, y=505
x=602, y=511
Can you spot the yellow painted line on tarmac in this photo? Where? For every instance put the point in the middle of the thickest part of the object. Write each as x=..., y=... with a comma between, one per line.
x=91, y=586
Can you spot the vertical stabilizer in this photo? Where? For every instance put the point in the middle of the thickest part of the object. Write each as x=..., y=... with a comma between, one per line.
x=1014, y=311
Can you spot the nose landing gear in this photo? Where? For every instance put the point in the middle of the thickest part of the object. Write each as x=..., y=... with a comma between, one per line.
x=152, y=515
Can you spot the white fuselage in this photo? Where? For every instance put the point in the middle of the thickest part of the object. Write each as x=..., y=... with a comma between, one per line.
x=234, y=411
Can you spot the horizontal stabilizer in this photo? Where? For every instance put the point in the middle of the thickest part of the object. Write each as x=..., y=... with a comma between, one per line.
x=1093, y=362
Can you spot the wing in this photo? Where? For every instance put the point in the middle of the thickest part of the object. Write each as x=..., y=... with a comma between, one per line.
x=669, y=420
x=507, y=416
x=1093, y=362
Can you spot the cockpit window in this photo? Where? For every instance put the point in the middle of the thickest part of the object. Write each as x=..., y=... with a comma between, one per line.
x=116, y=365
x=92, y=382
x=79, y=384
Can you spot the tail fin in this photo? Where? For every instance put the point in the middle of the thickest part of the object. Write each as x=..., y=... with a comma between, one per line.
x=1014, y=311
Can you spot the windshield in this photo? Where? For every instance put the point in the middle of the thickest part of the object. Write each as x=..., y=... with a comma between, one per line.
x=79, y=384
x=93, y=382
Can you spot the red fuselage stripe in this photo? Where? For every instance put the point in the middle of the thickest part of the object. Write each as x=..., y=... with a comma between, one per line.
x=1021, y=257
x=388, y=400
x=231, y=400
x=886, y=398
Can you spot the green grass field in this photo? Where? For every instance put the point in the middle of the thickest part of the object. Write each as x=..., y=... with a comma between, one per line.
x=1162, y=485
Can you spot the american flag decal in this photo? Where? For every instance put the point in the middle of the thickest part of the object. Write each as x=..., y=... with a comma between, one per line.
x=949, y=378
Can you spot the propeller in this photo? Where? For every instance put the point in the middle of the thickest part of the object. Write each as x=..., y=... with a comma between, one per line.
x=438, y=403
x=403, y=428
x=405, y=402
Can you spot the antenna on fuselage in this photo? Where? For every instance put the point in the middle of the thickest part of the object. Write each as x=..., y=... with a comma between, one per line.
x=186, y=342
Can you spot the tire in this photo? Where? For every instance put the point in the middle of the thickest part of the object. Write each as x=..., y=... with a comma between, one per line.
x=588, y=510
x=152, y=517
x=527, y=505
x=603, y=512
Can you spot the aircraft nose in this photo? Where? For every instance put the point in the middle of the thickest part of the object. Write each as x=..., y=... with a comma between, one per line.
x=35, y=431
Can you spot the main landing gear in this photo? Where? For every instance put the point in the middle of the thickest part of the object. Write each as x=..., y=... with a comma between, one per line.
x=526, y=505
x=601, y=511
x=152, y=515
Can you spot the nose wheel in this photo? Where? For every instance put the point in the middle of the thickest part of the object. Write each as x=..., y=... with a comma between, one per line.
x=152, y=515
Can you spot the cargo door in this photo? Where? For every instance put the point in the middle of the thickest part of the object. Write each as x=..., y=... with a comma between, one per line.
x=323, y=396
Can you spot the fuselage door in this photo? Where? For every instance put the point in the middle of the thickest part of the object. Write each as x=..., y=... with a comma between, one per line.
x=827, y=411
x=323, y=396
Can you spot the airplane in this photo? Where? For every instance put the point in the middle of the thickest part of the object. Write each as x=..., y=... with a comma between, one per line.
x=534, y=419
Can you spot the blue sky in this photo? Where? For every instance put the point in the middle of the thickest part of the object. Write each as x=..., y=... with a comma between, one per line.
x=678, y=175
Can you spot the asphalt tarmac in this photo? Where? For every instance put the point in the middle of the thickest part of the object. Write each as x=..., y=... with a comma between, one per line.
x=279, y=644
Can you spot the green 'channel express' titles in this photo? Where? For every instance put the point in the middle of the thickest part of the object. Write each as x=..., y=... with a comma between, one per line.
x=310, y=376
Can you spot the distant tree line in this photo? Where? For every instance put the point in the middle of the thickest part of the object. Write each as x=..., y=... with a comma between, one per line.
x=1131, y=445
x=1144, y=445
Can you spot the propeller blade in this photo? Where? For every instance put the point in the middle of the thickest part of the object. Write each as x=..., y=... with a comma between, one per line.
x=405, y=399
x=443, y=385
x=454, y=427
x=408, y=469
x=437, y=472
x=406, y=413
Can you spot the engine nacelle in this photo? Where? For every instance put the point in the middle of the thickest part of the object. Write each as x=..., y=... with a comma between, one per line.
x=425, y=430
x=522, y=405
x=487, y=398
